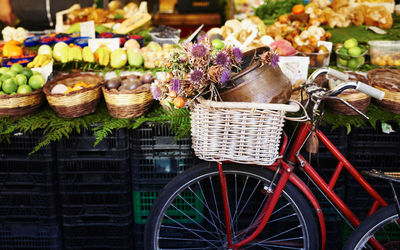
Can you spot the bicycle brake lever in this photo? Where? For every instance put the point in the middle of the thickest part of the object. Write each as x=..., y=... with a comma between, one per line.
x=347, y=104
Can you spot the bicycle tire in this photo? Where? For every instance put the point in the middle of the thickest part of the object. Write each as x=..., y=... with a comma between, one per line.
x=377, y=226
x=291, y=224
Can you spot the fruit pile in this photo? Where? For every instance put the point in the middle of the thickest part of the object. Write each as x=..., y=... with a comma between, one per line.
x=350, y=54
x=63, y=89
x=40, y=61
x=19, y=80
x=319, y=56
x=130, y=82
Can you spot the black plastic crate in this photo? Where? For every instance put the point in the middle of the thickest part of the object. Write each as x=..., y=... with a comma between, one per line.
x=26, y=175
x=30, y=236
x=153, y=139
x=84, y=142
x=360, y=201
x=374, y=138
x=28, y=191
x=94, y=175
x=138, y=239
x=375, y=158
x=21, y=144
x=159, y=170
x=116, y=236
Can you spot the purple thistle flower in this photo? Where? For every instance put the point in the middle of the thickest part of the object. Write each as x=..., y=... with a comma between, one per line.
x=274, y=60
x=238, y=54
x=225, y=76
x=199, y=50
x=175, y=85
x=196, y=75
x=222, y=59
x=155, y=92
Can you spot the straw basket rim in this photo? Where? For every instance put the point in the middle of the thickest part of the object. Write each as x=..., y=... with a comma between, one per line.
x=49, y=85
x=35, y=92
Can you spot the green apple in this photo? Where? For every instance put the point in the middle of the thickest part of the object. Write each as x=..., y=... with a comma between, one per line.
x=135, y=58
x=353, y=63
x=355, y=51
x=3, y=70
x=361, y=60
x=17, y=67
x=342, y=62
x=27, y=72
x=36, y=81
x=11, y=73
x=4, y=77
x=21, y=79
x=24, y=89
x=9, y=86
x=118, y=58
x=350, y=43
x=154, y=46
x=218, y=44
x=343, y=53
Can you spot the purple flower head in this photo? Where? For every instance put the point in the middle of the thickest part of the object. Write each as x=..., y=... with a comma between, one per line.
x=225, y=76
x=222, y=59
x=156, y=92
x=199, y=50
x=274, y=60
x=238, y=54
x=196, y=75
x=175, y=85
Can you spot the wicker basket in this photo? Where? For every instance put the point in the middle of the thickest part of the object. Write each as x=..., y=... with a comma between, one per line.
x=247, y=133
x=128, y=104
x=388, y=81
x=76, y=103
x=21, y=104
x=355, y=98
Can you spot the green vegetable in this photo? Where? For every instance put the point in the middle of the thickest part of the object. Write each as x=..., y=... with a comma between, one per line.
x=272, y=9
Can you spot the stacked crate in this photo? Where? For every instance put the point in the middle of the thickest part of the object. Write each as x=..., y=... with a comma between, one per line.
x=325, y=163
x=29, y=209
x=156, y=158
x=95, y=191
x=372, y=149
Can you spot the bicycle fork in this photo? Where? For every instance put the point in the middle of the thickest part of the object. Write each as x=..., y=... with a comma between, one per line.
x=266, y=211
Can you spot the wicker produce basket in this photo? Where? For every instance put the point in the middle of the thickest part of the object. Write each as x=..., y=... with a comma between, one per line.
x=388, y=81
x=128, y=103
x=356, y=98
x=21, y=104
x=77, y=103
x=247, y=133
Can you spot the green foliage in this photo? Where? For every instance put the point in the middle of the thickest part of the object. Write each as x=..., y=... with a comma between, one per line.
x=339, y=35
x=55, y=128
x=374, y=113
x=272, y=9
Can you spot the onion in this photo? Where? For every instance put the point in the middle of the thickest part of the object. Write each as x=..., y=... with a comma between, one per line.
x=147, y=78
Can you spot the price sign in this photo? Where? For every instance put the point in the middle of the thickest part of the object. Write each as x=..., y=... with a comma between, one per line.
x=87, y=29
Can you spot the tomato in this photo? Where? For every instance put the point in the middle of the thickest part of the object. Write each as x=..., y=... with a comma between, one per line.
x=298, y=9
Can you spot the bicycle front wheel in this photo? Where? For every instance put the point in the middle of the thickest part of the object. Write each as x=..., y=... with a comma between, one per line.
x=382, y=225
x=189, y=213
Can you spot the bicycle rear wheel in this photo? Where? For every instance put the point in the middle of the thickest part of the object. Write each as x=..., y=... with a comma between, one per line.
x=189, y=213
x=382, y=225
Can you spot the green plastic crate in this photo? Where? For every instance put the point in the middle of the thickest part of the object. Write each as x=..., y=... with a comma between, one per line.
x=143, y=200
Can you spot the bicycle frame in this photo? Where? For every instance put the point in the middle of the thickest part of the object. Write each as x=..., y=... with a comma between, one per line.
x=286, y=168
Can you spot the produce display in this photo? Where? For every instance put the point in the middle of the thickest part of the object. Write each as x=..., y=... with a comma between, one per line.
x=289, y=28
x=350, y=55
x=19, y=80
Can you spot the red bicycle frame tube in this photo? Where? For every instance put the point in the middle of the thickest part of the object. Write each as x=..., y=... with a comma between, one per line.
x=286, y=174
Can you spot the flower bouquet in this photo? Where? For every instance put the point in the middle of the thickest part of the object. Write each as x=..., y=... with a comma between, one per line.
x=196, y=70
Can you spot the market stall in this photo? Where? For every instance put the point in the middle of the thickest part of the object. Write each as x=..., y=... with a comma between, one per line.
x=95, y=115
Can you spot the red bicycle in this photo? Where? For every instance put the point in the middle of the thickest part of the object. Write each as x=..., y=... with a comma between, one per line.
x=247, y=196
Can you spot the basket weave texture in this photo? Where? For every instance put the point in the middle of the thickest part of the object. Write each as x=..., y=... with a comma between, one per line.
x=21, y=104
x=388, y=81
x=248, y=136
x=76, y=103
x=128, y=104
